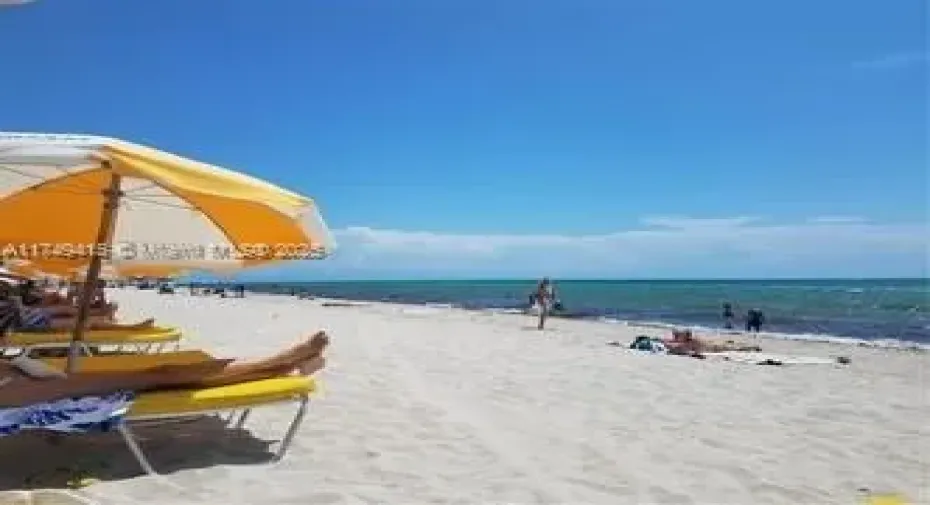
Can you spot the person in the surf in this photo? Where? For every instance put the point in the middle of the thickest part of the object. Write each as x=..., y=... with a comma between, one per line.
x=754, y=320
x=728, y=316
x=545, y=299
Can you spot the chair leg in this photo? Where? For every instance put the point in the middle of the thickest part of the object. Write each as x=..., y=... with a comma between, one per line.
x=292, y=429
x=135, y=449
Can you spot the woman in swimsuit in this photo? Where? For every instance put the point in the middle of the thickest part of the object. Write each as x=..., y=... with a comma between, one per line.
x=545, y=297
x=18, y=389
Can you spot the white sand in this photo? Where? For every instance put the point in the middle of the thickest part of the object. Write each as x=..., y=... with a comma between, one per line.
x=435, y=405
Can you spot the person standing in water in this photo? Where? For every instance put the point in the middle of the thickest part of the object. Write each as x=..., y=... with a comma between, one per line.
x=754, y=320
x=728, y=316
x=545, y=298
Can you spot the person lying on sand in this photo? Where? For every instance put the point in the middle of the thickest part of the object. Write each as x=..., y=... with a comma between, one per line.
x=17, y=389
x=684, y=343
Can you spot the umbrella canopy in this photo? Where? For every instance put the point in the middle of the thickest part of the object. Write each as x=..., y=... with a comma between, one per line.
x=170, y=209
x=73, y=201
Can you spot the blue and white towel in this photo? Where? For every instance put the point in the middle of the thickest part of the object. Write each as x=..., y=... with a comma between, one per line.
x=70, y=415
x=648, y=344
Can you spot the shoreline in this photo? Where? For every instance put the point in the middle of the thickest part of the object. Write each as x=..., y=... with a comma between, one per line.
x=886, y=343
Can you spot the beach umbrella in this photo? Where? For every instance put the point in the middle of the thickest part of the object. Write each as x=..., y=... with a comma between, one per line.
x=79, y=201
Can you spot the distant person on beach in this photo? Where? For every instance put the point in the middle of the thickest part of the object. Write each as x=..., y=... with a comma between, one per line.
x=684, y=343
x=754, y=320
x=728, y=316
x=545, y=298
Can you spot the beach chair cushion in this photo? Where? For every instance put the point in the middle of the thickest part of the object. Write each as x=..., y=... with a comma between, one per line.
x=166, y=403
x=153, y=335
x=237, y=396
x=127, y=362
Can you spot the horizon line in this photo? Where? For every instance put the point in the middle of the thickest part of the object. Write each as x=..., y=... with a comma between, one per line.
x=576, y=279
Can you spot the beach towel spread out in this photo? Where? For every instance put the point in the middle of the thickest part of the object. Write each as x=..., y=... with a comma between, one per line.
x=760, y=358
x=85, y=414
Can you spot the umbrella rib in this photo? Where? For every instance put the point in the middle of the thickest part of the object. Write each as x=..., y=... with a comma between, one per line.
x=42, y=180
x=140, y=188
x=159, y=204
x=206, y=215
x=7, y=168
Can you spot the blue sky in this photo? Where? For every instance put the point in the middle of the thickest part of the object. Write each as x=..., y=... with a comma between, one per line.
x=519, y=138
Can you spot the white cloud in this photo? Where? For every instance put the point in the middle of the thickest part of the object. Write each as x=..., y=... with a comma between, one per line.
x=893, y=60
x=690, y=222
x=837, y=219
x=660, y=247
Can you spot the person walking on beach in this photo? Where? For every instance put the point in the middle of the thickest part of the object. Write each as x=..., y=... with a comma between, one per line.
x=728, y=316
x=545, y=298
x=754, y=320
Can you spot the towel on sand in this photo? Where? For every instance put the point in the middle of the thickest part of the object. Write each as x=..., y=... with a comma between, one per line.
x=648, y=344
x=88, y=413
x=766, y=358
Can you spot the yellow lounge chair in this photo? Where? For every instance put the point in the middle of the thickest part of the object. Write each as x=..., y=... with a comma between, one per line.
x=161, y=405
x=140, y=340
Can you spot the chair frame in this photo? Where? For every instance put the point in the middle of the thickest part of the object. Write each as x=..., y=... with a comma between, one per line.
x=303, y=401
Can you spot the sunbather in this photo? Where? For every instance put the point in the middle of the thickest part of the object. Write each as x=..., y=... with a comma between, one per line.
x=18, y=389
x=106, y=313
x=32, y=294
x=683, y=342
x=15, y=315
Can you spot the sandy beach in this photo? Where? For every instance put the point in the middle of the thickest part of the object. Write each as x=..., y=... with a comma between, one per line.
x=445, y=406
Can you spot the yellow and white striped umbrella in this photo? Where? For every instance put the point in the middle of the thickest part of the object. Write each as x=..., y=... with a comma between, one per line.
x=172, y=212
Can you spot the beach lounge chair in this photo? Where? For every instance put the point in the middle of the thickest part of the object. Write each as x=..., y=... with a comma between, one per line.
x=178, y=404
x=142, y=340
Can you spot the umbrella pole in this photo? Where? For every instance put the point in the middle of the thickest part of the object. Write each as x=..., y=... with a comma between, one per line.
x=111, y=198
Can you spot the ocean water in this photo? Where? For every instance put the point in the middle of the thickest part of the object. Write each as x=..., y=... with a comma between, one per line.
x=889, y=309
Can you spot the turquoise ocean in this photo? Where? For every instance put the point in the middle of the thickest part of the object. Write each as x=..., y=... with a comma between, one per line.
x=874, y=310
